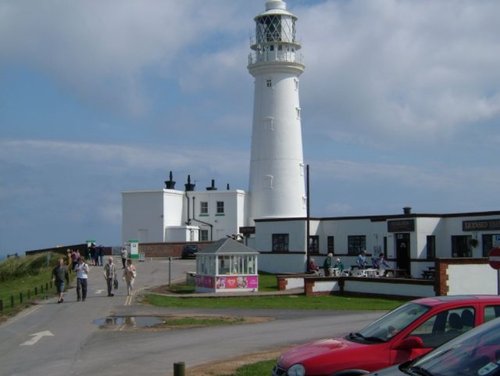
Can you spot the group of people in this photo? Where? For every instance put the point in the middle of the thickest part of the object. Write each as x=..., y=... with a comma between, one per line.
x=377, y=262
x=77, y=264
x=361, y=262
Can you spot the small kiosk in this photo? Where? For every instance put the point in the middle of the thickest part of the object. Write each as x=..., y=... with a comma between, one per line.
x=226, y=266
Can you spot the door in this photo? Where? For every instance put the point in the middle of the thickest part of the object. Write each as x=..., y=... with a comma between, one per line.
x=403, y=252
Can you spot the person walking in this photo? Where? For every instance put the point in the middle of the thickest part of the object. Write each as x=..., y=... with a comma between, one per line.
x=124, y=255
x=60, y=275
x=110, y=275
x=129, y=274
x=82, y=275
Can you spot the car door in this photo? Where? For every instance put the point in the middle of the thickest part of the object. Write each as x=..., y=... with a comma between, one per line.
x=435, y=330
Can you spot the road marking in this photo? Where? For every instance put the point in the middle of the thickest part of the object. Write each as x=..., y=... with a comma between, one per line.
x=37, y=337
x=99, y=292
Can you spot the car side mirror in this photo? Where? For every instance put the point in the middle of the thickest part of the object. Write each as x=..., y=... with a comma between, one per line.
x=409, y=343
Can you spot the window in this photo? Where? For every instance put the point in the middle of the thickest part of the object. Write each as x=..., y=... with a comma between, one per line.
x=314, y=244
x=491, y=312
x=356, y=244
x=431, y=247
x=280, y=242
x=490, y=241
x=203, y=208
x=235, y=264
x=269, y=83
x=444, y=326
x=203, y=235
x=297, y=110
x=330, y=240
x=460, y=246
x=220, y=208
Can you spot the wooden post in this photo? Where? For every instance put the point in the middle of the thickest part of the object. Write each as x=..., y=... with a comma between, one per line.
x=179, y=369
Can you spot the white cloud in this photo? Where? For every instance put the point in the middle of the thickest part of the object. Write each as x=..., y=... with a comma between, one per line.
x=401, y=69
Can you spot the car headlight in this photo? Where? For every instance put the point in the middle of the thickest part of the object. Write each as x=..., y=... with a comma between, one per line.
x=296, y=370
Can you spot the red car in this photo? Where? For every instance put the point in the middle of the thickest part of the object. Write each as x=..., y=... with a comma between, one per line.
x=405, y=333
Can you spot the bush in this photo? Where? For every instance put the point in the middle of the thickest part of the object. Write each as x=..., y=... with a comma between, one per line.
x=15, y=267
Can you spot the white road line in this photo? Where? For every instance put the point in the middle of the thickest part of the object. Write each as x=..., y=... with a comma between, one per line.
x=37, y=337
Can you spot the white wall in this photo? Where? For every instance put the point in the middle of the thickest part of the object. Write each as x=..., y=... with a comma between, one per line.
x=173, y=213
x=142, y=214
x=226, y=224
x=472, y=279
x=282, y=263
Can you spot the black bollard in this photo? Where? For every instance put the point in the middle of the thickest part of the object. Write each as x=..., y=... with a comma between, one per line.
x=21, y=297
x=12, y=301
x=1, y=305
x=179, y=369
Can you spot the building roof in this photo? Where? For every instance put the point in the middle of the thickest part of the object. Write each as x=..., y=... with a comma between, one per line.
x=227, y=246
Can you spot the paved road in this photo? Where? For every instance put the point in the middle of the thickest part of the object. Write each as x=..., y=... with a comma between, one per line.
x=64, y=339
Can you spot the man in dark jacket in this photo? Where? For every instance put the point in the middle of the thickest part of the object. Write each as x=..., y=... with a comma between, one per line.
x=60, y=275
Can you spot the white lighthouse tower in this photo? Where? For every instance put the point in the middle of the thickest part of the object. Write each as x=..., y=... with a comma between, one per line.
x=277, y=181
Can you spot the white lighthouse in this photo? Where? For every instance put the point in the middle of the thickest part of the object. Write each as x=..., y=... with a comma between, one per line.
x=277, y=181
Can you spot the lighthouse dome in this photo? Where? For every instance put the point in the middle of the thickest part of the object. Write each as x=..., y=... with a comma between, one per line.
x=275, y=4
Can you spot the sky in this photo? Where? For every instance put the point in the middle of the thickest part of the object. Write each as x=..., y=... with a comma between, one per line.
x=400, y=106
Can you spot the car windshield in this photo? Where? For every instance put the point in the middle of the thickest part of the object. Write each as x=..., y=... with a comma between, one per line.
x=476, y=352
x=393, y=322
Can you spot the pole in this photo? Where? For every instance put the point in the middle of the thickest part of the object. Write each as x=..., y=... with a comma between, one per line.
x=169, y=270
x=308, y=220
x=179, y=369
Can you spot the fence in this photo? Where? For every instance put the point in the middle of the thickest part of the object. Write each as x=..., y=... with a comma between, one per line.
x=22, y=298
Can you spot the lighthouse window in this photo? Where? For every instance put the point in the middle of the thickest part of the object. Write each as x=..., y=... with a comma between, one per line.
x=297, y=109
x=296, y=84
x=269, y=83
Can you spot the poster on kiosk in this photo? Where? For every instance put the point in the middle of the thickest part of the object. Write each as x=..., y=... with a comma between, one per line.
x=133, y=249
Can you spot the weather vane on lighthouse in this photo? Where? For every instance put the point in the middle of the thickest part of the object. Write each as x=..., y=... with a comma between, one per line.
x=277, y=181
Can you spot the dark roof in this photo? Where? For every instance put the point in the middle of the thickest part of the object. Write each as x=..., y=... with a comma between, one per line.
x=227, y=246
x=380, y=218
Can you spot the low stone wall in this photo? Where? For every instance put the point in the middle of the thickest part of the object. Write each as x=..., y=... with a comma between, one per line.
x=166, y=249
x=393, y=287
x=455, y=276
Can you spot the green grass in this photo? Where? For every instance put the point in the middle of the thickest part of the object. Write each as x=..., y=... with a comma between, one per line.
x=22, y=275
x=203, y=321
x=256, y=369
x=277, y=302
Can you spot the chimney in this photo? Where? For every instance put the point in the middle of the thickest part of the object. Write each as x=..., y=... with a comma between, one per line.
x=170, y=184
x=188, y=186
x=407, y=210
x=212, y=188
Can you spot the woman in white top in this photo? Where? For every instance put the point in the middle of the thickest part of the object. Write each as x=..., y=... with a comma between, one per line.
x=129, y=274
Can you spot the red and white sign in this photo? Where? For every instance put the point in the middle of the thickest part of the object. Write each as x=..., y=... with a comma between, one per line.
x=494, y=258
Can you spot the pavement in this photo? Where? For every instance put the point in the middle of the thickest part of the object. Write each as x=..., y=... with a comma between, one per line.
x=70, y=338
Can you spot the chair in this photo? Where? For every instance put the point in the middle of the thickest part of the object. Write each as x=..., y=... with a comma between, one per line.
x=455, y=322
x=467, y=318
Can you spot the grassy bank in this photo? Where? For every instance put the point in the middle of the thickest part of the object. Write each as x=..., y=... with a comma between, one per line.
x=21, y=278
